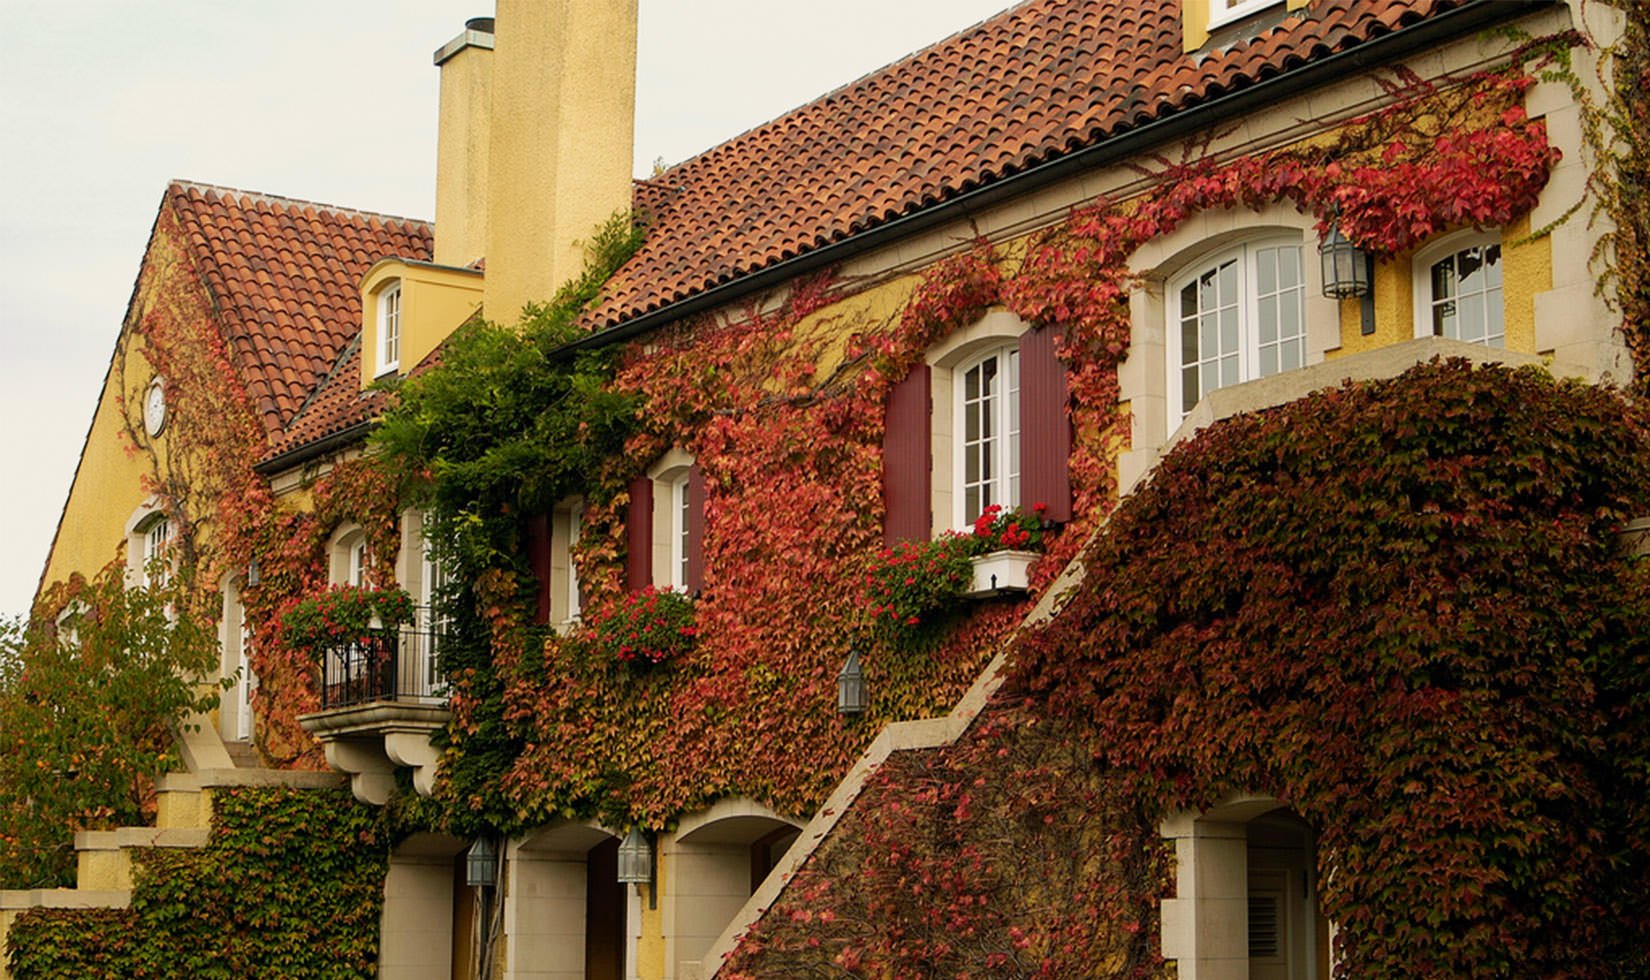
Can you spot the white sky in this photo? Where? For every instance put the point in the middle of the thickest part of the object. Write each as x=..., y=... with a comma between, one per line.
x=102, y=102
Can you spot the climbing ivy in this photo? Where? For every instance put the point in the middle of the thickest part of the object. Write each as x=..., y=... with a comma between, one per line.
x=290, y=886
x=1400, y=608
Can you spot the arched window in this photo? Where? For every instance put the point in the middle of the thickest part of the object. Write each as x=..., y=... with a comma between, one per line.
x=1458, y=289
x=155, y=568
x=1235, y=316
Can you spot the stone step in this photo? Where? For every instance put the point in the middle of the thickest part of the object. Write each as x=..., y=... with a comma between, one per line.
x=244, y=755
x=104, y=857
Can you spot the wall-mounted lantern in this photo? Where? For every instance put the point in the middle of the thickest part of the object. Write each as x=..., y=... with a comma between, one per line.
x=253, y=577
x=481, y=864
x=850, y=686
x=635, y=858
x=1348, y=272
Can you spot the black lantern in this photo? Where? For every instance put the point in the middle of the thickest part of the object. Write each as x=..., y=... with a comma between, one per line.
x=635, y=858
x=481, y=864
x=850, y=686
x=1345, y=266
x=253, y=577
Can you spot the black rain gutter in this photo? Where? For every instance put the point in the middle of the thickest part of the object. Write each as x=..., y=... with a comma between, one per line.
x=1382, y=50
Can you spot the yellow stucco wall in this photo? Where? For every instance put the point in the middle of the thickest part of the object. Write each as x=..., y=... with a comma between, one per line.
x=108, y=486
x=564, y=92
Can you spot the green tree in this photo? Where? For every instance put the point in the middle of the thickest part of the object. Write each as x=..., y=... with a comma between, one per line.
x=87, y=713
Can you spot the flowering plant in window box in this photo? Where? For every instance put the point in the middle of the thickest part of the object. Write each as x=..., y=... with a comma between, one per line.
x=912, y=582
x=646, y=627
x=1005, y=545
x=342, y=615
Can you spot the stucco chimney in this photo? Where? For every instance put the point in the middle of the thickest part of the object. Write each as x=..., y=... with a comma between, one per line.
x=564, y=106
x=463, y=144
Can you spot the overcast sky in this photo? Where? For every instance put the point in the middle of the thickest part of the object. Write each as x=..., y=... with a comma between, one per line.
x=102, y=102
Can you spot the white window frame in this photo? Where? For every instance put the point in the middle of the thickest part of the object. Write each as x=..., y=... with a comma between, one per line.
x=1003, y=487
x=1248, y=349
x=670, y=522
x=157, y=542
x=389, y=328
x=680, y=503
x=1447, y=247
x=1223, y=12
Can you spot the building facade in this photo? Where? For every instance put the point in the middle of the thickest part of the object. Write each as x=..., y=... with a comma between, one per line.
x=1003, y=276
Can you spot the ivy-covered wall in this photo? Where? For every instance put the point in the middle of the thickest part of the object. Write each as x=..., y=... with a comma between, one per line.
x=783, y=412
x=1398, y=607
x=289, y=886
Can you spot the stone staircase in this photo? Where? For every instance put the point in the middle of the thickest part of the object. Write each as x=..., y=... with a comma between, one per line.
x=183, y=818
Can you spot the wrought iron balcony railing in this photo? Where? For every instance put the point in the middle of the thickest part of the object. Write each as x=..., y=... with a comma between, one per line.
x=387, y=665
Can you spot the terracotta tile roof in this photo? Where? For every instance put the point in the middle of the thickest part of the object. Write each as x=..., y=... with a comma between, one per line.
x=285, y=276
x=1024, y=87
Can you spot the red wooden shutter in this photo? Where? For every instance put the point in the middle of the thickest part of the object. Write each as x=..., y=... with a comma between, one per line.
x=639, y=535
x=538, y=558
x=906, y=459
x=1045, y=427
x=696, y=529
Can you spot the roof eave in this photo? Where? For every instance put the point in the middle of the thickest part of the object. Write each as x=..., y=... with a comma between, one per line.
x=1382, y=50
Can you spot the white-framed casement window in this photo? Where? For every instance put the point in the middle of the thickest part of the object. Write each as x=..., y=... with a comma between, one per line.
x=1235, y=316
x=1458, y=289
x=1223, y=12
x=680, y=504
x=986, y=437
x=389, y=328
x=155, y=569
x=357, y=574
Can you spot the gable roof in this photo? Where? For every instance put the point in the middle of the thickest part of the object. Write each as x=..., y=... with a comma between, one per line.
x=1023, y=88
x=285, y=277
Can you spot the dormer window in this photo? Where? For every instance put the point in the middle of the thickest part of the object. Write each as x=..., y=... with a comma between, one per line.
x=389, y=328
x=1223, y=12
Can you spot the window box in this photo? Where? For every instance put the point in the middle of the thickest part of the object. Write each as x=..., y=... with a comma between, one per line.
x=1001, y=572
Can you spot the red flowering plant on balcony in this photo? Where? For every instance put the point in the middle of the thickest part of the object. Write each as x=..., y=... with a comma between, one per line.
x=343, y=615
x=650, y=626
x=1019, y=529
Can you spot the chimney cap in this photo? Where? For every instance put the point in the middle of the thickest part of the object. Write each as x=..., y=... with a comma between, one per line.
x=478, y=33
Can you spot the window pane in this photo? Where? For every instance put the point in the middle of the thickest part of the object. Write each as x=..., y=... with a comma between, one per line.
x=1443, y=320
x=1294, y=352
x=1207, y=298
x=1268, y=361
x=1229, y=370
x=1266, y=270
x=1468, y=270
x=1228, y=330
x=1289, y=267
x=1443, y=279
x=1268, y=317
x=1289, y=314
x=1189, y=392
x=1492, y=266
x=1472, y=315
x=1228, y=282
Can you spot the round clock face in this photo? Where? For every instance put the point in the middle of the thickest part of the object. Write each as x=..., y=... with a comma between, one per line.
x=154, y=407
